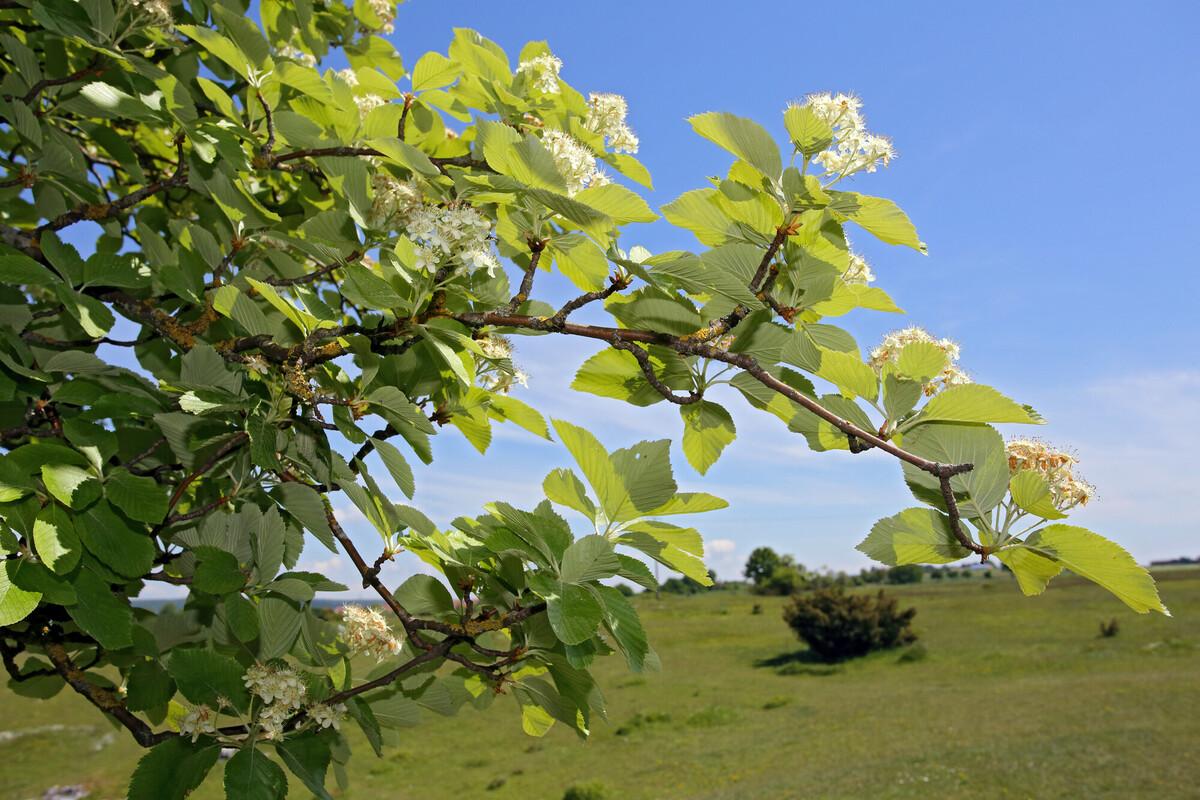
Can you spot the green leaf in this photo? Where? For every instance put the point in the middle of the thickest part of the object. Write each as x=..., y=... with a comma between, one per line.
x=1031, y=491
x=974, y=402
x=148, y=686
x=204, y=676
x=597, y=467
x=70, y=485
x=15, y=603
x=707, y=430
x=424, y=596
x=219, y=46
x=809, y=133
x=395, y=711
x=1090, y=556
x=397, y=466
x=139, y=498
x=879, y=216
x=921, y=361
x=303, y=503
x=250, y=775
x=743, y=137
x=406, y=155
x=364, y=287
x=589, y=558
x=1032, y=571
x=619, y=203
x=433, y=71
x=308, y=757
x=621, y=619
x=695, y=211
x=171, y=770
x=217, y=571
x=914, y=536
x=680, y=549
x=581, y=261
x=976, y=492
x=100, y=613
x=55, y=538
x=231, y=303
x=279, y=623
x=616, y=374
x=848, y=372
x=510, y=409
x=573, y=612
x=110, y=538
x=563, y=486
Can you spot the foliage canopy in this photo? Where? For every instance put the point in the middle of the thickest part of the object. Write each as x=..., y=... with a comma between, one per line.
x=232, y=274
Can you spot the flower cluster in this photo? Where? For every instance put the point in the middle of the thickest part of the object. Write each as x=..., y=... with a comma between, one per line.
x=502, y=375
x=157, y=13
x=1056, y=466
x=199, y=720
x=854, y=149
x=282, y=692
x=366, y=102
x=394, y=199
x=453, y=231
x=298, y=55
x=606, y=116
x=859, y=271
x=367, y=632
x=543, y=71
x=385, y=10
x=326, y=716
x=889, y=350
x=574, y=160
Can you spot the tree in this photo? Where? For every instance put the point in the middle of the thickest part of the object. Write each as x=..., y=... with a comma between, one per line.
x=237, y=284
x=906, y=573
x=761, y=563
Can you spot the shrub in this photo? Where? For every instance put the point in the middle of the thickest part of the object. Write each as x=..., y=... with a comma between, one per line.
x=625, y=589
x=1109, y=629
x=837, y=626
x=785, y=580
x=756, y=608
x=937, y=574
x=906, y=573
x=586, y=791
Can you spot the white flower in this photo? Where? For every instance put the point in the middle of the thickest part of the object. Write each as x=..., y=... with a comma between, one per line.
x=853, y=148
x=386, y=11
x=495, y=346
x=1057, y=466
x=859, y=270
x=327, y=716
x=277, y=686
x=574, y=160
x=197, y=721
x=298, y=55
x=157, y=12
x=367, y=632
x=606, y=116
x=393, y=198
x=543, y=71
x=890, y=348
x=367, y=102
x=455, y=231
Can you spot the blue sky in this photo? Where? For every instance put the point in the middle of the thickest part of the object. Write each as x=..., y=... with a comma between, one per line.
x=1047, y=160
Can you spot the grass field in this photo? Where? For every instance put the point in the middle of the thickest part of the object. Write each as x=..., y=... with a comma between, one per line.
x=1015, y=698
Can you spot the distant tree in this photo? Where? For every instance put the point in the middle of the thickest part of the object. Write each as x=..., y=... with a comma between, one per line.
x=761, y=563
x=906, y=573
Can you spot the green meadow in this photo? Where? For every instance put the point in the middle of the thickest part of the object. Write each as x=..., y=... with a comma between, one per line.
x=1003, y=697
